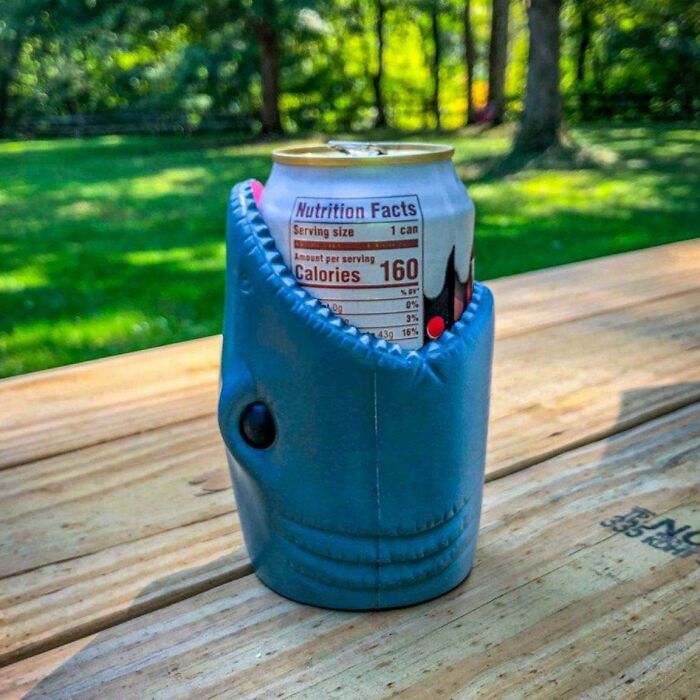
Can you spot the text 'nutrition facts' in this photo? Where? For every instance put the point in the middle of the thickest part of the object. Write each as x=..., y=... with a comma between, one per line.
x=363, y=258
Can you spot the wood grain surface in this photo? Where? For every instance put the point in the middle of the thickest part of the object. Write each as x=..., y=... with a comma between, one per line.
x=97, y=535
x=545, y=297
x=56, y=411
x=116, y=512
x=559, y=605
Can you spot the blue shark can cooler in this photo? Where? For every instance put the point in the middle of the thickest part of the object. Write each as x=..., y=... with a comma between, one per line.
x=357, y=464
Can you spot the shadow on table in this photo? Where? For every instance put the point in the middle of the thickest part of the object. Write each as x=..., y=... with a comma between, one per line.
x=65, y=682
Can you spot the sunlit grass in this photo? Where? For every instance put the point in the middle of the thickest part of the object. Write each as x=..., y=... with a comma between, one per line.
x=117, y=243
x=42, y=343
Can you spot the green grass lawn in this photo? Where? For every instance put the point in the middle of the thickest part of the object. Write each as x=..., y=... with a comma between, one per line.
x=117, y=243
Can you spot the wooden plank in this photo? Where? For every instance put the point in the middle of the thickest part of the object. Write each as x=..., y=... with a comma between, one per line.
x=137, y=486
x=80, y=595
x=569, y=384
x=567, y=292
x=96, y=536
x=48, y=413
x=62, y=516
x=55, y=411
x=557, y=605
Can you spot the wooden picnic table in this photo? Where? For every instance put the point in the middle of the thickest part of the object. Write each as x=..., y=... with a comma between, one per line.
x=123, y=572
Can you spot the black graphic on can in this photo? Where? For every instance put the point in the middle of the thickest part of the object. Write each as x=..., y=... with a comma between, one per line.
x=441, y=311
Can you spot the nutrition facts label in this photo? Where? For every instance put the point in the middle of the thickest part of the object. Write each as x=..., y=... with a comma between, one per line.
x=363, y=258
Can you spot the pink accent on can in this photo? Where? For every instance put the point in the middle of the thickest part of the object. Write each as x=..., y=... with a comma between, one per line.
x=257, y=188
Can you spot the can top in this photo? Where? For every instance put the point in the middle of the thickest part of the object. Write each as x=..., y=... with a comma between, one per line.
x=349, y=154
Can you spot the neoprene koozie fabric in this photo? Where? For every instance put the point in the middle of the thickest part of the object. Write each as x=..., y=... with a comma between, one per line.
x=370, y=494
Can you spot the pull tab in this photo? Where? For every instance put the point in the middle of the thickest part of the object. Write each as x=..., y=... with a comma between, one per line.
x=358, y=149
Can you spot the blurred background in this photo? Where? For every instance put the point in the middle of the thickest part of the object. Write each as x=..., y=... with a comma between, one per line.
x=123, y=126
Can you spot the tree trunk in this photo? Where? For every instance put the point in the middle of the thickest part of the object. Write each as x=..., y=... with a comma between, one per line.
x=541, y=122
x=6, y=78
x=268, y=39
x=581, y=53
x=380, y=119
x=498, y=59
x=469, y=61
x=435, y=31
x=583, y=44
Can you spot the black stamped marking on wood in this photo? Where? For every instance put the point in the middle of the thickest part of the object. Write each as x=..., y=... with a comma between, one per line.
x=668, y=535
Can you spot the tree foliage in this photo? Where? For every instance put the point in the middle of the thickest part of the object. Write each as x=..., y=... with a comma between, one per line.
x=334, y=65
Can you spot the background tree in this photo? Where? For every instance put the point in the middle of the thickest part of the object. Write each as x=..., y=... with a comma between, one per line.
x=434, y=11
x=24, y=21
x=585, y=30
x=541, y=122
x=269, y=21
x=339, y=65
x=14, y=25
x=265, y=20
x=469, y=60
x=379, y=14
x=264, y=25
x=498, y=59
x=647, y=56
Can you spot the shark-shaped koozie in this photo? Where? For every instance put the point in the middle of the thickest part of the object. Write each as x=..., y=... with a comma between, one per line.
x=357, y=466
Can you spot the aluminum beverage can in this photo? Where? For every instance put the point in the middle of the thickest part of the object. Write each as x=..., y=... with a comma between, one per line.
x=381, y=233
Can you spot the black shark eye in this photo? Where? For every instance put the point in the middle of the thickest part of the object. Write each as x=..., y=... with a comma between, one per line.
x=257, y=426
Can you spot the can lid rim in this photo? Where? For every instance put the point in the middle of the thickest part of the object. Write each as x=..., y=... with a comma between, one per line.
x=400, y=153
